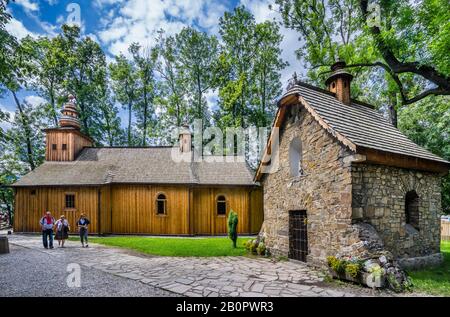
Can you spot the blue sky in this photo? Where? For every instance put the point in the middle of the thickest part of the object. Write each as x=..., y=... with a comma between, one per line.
x=115, y=24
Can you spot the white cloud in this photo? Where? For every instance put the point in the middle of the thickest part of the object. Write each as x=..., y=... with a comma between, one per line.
x=28, y=5
x=35, y=101
x=17, y=29
x=139, y=20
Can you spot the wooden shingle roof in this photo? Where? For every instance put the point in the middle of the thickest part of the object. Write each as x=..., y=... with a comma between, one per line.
x=150, y=165
x=359, y=127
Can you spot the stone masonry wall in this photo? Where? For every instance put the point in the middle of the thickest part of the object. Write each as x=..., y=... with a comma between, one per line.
x=324, y=190
x=379, y=199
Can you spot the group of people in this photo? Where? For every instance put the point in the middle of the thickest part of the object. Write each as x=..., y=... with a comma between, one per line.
x=61, y=227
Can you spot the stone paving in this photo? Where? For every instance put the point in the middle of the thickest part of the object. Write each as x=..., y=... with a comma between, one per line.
x=194, y=276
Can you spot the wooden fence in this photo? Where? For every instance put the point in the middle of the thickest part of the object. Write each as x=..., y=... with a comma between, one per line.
x=445, y=230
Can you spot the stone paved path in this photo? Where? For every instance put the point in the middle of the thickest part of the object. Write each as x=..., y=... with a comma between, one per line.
x=217, y=276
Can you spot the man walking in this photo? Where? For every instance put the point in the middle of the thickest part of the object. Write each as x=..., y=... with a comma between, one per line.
x=47, y=222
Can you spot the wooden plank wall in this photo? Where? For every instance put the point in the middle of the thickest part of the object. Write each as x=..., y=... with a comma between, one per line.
x=241, y=199
x=75, y=144
x=134, y=209
x=131, y=209
x=445, y=230
x=30, y=208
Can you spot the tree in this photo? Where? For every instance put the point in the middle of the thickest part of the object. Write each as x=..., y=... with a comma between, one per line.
x=47, y=63
x=250, y=66
x=124, y=84
x=172, y=85
x=145, y=63
x=197, y=59
x=427, y=123
x=232, y=227
x=85, y=76
x=409, y=49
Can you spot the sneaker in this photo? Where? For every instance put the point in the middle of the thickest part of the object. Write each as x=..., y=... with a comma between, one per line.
x=82, y=245
x=87, y=245
x=51, y=247
x=46, y=247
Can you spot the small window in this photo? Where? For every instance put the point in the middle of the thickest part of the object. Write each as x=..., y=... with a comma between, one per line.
x=333, y=85
x=221, y=205
x=53, y=146
x=70, y=201
x=161, y=204
x=33, y=192
x=295, y=158
x=64, y=147
x=412, y=209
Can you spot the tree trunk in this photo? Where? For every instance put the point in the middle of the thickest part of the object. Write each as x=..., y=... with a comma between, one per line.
x=144, y=128
x=393, y=115
x=129, y=123
x=27, y=131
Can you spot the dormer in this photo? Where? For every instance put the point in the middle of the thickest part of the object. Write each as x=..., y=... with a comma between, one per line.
x=65, y=142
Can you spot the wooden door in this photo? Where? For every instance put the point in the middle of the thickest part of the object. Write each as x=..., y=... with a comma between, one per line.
x=298, y=235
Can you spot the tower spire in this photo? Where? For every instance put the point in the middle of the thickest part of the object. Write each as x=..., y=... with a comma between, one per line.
x=69, y=116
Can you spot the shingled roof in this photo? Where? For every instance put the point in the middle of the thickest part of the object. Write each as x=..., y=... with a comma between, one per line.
x=357, y=125
x=150, y=165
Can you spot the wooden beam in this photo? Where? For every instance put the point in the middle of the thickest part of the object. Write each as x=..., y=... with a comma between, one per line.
x=403, y=161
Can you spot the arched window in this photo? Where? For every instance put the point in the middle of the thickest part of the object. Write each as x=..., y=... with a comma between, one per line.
x=161, y=202
x=412, y=209
x=295, y=157
x=221, y=205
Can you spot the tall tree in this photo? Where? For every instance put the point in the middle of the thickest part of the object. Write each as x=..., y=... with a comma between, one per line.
x=145, y=63
x=198, y=55
x=172, y=84
x=125, y=86
x=250, y=67
x=404, y=45
x=85, y=76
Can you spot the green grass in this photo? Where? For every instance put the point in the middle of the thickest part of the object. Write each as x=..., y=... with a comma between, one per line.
x=168, y=246
x=435, y=281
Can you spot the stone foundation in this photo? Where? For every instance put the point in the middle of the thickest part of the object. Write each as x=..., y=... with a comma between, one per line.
x=421, y=261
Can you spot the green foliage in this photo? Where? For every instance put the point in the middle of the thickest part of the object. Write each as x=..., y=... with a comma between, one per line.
x=427, y=123
x=436, y=280
x=232, y=227
x=261, y=249
x=353, y=269
x=336, y=264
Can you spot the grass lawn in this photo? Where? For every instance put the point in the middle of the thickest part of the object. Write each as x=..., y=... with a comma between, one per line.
x=434, y=281
x=168, y=246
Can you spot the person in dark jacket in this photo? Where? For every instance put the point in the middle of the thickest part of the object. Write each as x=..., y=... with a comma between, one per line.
x=47, y=223
x=83, y=224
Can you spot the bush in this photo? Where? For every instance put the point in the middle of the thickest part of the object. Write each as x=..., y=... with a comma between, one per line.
x=232, y=226
x=336, y=265
x=353, y=269
x=261, y=249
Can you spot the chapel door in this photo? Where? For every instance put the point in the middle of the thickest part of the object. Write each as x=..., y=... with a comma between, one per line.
x=298, y=235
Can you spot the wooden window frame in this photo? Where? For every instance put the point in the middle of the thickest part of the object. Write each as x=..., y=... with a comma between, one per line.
x=32, y=192
x=64, y=147
x=225, y=200
x=54, y=146
x=74, y=201
x=157, y=200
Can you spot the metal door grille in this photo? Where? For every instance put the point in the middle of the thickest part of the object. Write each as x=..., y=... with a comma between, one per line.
x=298, y=235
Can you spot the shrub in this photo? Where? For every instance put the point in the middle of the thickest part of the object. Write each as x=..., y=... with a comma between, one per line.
x=353, y=269
x=232, y=226
x=336, y=265
x=261, y=248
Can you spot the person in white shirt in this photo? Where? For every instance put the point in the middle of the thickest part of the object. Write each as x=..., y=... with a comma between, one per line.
x=62, y=230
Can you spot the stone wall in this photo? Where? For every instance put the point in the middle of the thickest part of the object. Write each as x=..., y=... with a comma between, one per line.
x=324, y=190
x=379, y=199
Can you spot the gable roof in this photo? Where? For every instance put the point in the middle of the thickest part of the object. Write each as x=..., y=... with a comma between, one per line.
x=149, y=165
x=357, y=126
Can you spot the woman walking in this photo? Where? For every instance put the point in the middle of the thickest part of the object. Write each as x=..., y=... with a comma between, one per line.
x=62, y=231
x=83, y=224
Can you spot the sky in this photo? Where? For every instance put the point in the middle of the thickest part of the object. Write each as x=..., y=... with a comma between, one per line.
x=115, y=24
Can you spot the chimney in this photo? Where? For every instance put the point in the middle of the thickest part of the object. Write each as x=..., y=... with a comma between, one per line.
x=185, y=139
x=339, y=82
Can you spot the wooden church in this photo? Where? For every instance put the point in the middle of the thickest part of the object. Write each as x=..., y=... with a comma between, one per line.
x=131, y=190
